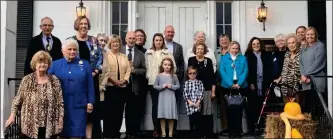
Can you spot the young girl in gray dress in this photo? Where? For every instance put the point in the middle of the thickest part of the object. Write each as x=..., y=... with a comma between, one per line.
x=166, y=83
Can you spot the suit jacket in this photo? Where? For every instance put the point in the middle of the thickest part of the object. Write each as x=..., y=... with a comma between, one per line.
x=35, y=45
x=179, y=60
x=139, y=73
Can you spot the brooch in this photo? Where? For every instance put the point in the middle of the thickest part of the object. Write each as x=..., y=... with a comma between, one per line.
x=80, y=62
x=233, y=65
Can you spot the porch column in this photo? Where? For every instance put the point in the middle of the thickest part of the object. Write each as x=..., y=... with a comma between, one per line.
x=329, y=54
x=8, y=58
x=2, y=56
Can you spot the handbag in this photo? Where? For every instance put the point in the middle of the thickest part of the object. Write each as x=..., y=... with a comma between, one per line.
x=234, y=99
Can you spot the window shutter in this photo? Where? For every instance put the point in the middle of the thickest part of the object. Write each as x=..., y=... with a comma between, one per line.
x=24, y=34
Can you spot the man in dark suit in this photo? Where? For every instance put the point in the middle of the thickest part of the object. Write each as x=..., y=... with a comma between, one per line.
x=177, y=50
x=135, y=104
x=44, y=41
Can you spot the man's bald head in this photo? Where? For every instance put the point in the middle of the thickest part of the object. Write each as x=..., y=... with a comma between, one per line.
x=169, y=33
x=130, y=38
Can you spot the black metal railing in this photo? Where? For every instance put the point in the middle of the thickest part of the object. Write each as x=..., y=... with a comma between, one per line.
x=14, y=131
x=320, y=112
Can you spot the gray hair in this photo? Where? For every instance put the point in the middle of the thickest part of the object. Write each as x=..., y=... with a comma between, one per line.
x=279, y=37
x=44, y=19
x=70, y=41
x=197, y=32
x=103, y=35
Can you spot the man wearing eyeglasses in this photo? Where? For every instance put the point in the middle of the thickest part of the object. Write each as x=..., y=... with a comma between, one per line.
x=44, y=41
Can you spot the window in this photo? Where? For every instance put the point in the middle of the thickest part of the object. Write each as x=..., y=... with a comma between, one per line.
x=223, y=20
x=119, y=18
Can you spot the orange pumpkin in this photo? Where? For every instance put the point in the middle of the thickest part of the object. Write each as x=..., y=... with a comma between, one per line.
x=292, y=108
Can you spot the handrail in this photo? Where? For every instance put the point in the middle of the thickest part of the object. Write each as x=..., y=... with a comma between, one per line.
x=323, y=102
x=13, y=79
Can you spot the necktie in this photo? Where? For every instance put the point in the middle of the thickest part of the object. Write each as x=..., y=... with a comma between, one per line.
x=129, y=54
x=48, y=47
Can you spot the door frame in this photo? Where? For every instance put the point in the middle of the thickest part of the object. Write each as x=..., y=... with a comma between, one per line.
x=239, y=31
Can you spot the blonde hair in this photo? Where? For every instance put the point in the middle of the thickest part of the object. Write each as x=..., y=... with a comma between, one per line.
x=293, y=35
x=114, y=37
x=314, y=30
x=40, y=56
x=235, y=42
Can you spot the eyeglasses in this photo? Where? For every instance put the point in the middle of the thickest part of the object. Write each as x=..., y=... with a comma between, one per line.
x=192, y=73
x=47, y=25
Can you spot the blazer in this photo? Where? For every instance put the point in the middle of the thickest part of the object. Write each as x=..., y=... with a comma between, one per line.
x=110, y=68
x=76, y=80
x=35, y=45
x=153, y=64
x=227, y=71
x=139, y=73
x=179, y=60
x=252, y=67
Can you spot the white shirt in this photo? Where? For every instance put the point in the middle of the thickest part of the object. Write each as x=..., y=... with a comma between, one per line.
x=127, y=52
x=169, y=45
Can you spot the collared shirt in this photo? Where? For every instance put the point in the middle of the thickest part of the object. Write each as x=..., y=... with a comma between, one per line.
x=169, y=45
x=127, y=51
x=45, y=41
x=233, y=58
x=193, y=90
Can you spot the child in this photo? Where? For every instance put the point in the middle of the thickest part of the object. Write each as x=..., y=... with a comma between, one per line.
x=193, y=95
x=166, y=83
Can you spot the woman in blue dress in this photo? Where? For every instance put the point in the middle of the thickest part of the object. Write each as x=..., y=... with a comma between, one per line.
x=78, y=89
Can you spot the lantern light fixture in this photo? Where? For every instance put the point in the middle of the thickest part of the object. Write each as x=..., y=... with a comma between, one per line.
x=262, y=14
x=80, y=10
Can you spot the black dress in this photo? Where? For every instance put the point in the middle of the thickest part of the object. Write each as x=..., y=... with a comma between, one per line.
x=84, y=51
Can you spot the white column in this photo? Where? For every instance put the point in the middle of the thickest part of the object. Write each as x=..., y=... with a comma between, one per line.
x=329, y=53
x=132, y=20
x=239, y=23
x=8, y=57
x=211, y=27
x=2, y=62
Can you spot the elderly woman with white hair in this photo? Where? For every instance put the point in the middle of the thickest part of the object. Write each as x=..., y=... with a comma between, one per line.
x=278, y=56
x=200, y=37
x=291, y=75
x=78, y=89
x=103, y=40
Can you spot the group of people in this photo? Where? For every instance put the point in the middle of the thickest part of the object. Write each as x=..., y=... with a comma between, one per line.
x=69, y=87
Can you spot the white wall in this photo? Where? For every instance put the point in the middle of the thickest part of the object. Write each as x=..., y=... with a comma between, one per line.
x=8, y=58
x=63, y=14
x=329, y=53
x=283, y=17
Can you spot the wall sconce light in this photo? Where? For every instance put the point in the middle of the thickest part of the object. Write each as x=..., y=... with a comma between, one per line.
x=262, y=14
x=80, y=10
